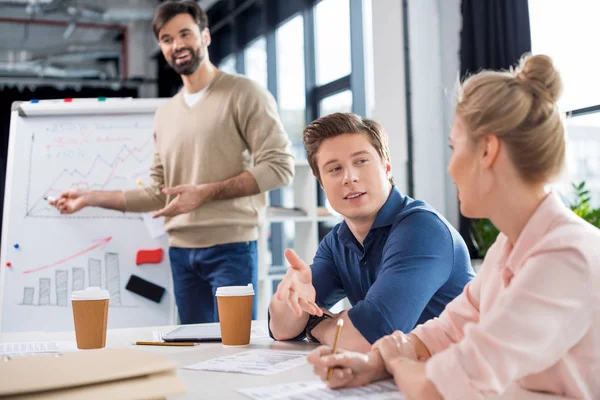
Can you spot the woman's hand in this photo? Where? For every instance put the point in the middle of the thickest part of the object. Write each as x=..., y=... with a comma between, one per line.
x=400, y=345
x=350, y=369
x=393, y=347
x=399, y=354
x=411, y=379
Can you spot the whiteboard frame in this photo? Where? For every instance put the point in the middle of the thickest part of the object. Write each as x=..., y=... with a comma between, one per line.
x=10, y=155
x=91, y=106
x=59, y=107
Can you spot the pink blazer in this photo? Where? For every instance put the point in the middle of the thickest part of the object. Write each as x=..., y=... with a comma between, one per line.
x=530, y=318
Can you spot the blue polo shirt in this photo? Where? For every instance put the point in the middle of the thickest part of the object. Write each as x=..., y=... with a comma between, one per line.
x=412, y=263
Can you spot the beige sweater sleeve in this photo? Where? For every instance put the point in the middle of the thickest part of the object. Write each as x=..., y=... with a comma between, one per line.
x=259, y=123
x=149, y=198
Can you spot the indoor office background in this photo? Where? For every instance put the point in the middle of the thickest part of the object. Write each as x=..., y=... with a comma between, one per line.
x=397, y=61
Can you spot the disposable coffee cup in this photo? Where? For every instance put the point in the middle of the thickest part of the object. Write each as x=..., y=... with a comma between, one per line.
x=90, y=314
x=235, y=314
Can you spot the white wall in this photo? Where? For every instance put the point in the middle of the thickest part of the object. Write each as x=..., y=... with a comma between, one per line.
x=434, y=39
x=451, y=25
x=388, y=81
x=434, y=33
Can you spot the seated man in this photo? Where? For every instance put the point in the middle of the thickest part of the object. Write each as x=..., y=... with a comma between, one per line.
x=396, y=259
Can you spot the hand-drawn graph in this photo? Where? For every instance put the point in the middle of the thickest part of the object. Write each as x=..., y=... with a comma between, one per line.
x=94, y=156
x=59, y=254
x=61, y=298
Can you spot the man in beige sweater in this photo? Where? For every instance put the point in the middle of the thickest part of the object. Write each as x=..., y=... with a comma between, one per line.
x=219, y=146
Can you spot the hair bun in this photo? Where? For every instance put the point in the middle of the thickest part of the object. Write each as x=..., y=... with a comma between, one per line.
x=538, y=72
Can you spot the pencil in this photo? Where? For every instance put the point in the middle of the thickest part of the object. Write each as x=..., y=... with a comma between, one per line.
x=165, y=343
x=340, y=323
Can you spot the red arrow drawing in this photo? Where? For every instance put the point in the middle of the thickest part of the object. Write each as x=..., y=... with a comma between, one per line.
x=101, y=242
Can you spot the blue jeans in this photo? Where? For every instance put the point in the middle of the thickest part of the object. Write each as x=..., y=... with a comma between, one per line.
x=197, y=273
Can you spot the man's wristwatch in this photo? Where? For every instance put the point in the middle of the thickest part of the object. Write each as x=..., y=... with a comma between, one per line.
x=313, y=321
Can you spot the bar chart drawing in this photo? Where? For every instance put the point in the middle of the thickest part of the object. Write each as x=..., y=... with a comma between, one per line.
x=111, y=264
x=28, y=293
x=61, y=295
x=62, y=289
x=94, y=271
x=78, y=279
x=44, y=292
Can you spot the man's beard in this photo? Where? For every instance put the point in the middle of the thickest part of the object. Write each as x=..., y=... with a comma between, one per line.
x=190, y=66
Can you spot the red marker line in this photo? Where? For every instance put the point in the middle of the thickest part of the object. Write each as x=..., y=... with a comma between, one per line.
x=103, y=242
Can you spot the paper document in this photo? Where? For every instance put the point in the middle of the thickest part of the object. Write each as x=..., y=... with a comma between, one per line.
x=257, y=362
x=155, y=226
x=25, y=348
x=307, y=390
x=258, y=333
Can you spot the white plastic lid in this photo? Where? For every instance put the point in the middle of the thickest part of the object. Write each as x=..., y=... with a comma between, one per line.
x=235, y=290
x=91, y=293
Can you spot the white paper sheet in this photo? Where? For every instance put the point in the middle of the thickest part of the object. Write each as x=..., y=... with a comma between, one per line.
x=26, y=348
x=155, y=226
x=256, y=362
x=308, y=390
x=258, y=333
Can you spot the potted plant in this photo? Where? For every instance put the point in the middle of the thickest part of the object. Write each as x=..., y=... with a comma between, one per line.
x=484, y=233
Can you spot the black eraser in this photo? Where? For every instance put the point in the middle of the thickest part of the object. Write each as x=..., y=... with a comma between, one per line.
x=144, y=288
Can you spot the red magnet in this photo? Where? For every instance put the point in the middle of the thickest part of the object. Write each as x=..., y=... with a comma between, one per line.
x=149, y=256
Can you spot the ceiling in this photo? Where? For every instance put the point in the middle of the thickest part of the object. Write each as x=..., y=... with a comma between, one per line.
x=68, y=39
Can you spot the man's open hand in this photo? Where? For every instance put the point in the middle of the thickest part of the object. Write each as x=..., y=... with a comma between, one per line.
x=296, y=288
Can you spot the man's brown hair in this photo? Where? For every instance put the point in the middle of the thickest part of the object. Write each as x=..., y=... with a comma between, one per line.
x=171, y=8
x=336, y=124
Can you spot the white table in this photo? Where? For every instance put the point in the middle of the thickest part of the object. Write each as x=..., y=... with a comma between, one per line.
x=218, y=385
x=199, y=384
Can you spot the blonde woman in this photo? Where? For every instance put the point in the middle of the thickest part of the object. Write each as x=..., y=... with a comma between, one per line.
x=530, y=320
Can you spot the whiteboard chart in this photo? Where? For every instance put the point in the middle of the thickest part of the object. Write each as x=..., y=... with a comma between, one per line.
x=89, y=155
x=50, y=255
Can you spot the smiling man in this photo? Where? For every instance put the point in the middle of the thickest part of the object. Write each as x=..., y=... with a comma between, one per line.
x=219, y=146
x=396, y=259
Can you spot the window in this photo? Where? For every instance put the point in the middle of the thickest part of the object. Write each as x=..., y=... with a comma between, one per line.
x=255, y=57
x=302, y=51
x=583, y=153
x=290, y=78
x=332, y=33
x=340, y=102
x=564, y=31
x=228, y=64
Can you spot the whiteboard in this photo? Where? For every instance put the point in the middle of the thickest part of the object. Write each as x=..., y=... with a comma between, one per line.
x=91, y=144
